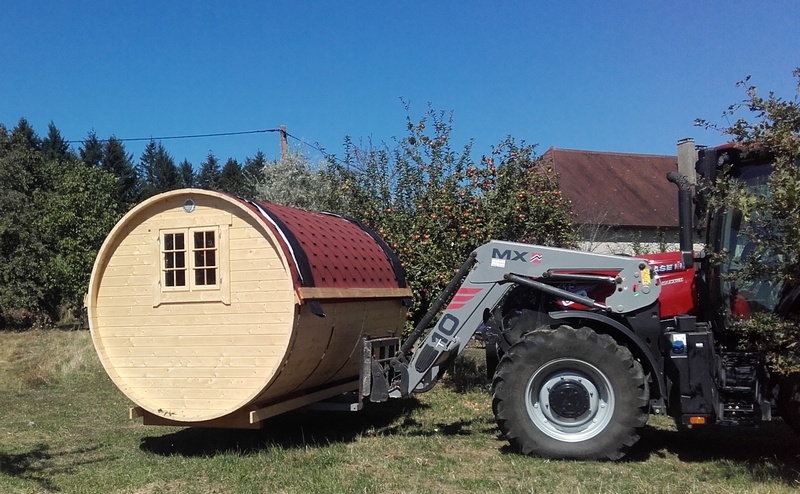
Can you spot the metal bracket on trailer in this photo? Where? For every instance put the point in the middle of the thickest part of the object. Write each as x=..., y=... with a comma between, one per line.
x=376, y=372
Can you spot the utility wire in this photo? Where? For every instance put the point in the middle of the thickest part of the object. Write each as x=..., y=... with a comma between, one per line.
x=314, y=147
x=191, y=136
x=317, y=148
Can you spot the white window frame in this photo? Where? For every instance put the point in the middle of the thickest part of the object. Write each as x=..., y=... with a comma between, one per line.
x=191, y=291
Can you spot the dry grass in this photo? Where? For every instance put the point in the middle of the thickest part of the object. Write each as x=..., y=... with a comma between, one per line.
x=43, y=357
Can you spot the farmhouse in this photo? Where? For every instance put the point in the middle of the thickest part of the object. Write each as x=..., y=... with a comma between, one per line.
x=623, y=202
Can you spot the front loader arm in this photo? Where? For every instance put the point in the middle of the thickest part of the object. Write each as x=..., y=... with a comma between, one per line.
x=483, y=281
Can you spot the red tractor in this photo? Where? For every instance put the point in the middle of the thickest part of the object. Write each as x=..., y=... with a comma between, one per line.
x=583, y=347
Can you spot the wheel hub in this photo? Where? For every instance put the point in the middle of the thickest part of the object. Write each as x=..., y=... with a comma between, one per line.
x=569, y=399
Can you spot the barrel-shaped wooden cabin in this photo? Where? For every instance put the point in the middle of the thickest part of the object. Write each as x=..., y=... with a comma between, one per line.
x=205, y=308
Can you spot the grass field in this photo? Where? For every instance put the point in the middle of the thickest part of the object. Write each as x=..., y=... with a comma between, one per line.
x=64, y=428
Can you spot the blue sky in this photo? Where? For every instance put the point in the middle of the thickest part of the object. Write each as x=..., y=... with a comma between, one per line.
x=609, y=76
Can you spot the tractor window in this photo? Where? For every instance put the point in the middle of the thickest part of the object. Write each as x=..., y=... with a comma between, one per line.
x=742, y=296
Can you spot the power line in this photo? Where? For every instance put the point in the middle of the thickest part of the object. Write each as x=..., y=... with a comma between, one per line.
x=189, y=136
x=312, y=146
x=320, y=150
x=317, y=148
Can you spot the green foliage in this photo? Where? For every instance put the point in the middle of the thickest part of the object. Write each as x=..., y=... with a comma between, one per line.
x=293, y=181
x=769, y=126
x=186, y=173
x=426, y=197
x=252, y=172
x=771, y=213
x=73, y=220
x=434, y=205
x=23, y=135
x=158, y=170
x=120, y=164
x=776, y=337
x=54, y=147
x=523, y=202
x=231, y=179
x=208, y=177
x=91, y=152
x=54, y=212
x=22, y=173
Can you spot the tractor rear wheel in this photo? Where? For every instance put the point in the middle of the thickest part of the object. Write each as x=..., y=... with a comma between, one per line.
x=570, y=393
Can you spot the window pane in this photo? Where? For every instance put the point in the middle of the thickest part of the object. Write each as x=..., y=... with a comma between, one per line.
x=199, y=278
x=174, y=264
x=210, y=240
x=198, y=240
x=199, y=259
x=211, y=258
x=211, y=276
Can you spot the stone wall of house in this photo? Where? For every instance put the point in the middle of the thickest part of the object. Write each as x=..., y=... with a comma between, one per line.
x=631, y=241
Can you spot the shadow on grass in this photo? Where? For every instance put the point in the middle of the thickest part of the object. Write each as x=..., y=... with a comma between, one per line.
x=302, y=429
x=39, y=465
x=468, y=373
x=31, y=466
x=461, y=427
x=770, y=451
x=290, y=431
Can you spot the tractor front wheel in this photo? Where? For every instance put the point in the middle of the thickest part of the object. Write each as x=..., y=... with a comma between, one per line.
x=570, y=393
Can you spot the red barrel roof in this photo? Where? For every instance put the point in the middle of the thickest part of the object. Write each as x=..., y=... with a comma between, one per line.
x=331, y=251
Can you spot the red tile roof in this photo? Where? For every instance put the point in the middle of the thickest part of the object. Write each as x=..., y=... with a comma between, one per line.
x=617, y=189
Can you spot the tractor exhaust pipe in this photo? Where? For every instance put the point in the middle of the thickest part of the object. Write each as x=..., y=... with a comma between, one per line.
x=684, y=217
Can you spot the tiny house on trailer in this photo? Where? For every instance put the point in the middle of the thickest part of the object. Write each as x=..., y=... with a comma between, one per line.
x=211, y=310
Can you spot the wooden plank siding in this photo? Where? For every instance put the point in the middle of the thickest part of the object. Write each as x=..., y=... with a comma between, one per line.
x=215, y=341
x=196, y=354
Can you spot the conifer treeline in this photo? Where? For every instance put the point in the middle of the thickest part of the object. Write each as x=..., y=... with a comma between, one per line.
x=57, y=205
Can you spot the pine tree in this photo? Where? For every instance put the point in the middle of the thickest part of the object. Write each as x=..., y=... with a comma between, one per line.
x=186, y=174
x=158, y=170
x=54, y=214
x=146, y=170
x=24, y=134
x=91, y=152
x=165, y=172
x=23, y=173
x=54, y=146
x=117, y=162
x=252, y=172
x=231, y=179
x=208, y=178
x=27, y=167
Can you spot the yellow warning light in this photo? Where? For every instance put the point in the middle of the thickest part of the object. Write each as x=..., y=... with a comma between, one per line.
x=697, y=420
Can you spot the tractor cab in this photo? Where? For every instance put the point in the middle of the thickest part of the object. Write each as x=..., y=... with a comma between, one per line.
x=733, y=243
